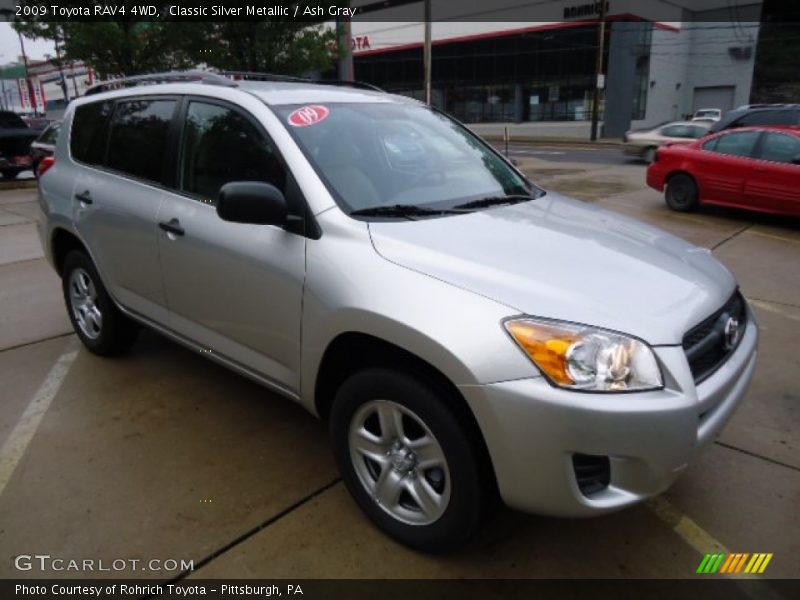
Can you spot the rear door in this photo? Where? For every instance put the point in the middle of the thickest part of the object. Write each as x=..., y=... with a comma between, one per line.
x=122, y=146
x=774, y=184
x=234, y=288
x=724, y=165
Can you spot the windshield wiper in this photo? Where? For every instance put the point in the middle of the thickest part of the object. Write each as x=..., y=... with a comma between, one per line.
x=407, y=211
x=494, y=201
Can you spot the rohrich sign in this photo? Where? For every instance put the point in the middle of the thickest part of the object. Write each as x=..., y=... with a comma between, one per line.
x=592, y=9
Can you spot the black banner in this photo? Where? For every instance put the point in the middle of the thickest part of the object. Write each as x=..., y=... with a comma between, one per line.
x=716, y=588
x=316, y=11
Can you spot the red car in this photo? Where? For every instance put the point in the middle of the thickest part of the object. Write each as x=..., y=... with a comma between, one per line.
x=756, y=168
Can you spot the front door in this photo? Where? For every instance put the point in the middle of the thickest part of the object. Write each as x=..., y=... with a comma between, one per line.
x=725, y=165
x=234, y=288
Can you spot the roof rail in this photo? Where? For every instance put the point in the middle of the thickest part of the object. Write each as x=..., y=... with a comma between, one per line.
x=255, y=76
x=226, y=78
x=208, y=77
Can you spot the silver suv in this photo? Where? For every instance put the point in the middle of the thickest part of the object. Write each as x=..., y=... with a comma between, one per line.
x=464, y=332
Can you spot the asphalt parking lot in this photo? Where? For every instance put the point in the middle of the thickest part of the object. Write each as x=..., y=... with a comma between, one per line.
x=162, y=454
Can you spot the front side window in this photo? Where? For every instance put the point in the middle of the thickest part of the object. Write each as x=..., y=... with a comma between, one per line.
x=221, y=145
x=89, y=133
x=779, y=147
x=738, y=144
x=138, y=141
x=374, y=155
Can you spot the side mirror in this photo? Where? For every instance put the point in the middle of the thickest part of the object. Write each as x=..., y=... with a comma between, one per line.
x=252, y=202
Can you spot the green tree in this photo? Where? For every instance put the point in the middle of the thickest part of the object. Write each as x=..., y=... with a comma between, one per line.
x=283, y=47
x=126, y=46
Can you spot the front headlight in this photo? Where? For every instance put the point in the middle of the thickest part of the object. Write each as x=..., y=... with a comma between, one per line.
x=580, y=357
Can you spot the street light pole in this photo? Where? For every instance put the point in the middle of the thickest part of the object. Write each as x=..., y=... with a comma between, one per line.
x=427, y=53
x=601, y=42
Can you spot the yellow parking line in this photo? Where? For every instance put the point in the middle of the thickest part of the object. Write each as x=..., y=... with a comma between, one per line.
x=773, y=309
x=702, y=541
x=773, y=236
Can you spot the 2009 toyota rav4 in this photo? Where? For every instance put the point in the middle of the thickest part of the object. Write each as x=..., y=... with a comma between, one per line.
x=463, y=331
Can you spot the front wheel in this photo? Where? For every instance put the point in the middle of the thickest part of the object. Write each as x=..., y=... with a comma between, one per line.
x=100, y=325
x=405, y=458
x=9, y=174
x=681, y=193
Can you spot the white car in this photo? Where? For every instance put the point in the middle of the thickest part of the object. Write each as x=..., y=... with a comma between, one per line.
x=707, y=114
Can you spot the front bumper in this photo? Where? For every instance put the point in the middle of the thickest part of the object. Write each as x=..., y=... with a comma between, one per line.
x=533, y=430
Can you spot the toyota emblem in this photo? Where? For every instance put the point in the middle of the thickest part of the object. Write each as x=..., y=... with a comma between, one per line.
x=730, y=334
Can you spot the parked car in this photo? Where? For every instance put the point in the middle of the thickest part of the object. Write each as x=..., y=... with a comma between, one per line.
x=757, y=168
x=712, y=114
x=462, y=330
x=38, y=124
x=644, y=142
x=754, y=115
x=44, y=145
x=15, y=143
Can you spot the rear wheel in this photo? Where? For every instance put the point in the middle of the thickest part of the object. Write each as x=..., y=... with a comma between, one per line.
x=100, y=325
x=9, y=174
x=681, y=193
x=406, y=459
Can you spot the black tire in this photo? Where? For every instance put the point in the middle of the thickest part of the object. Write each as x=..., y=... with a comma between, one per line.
x=466, y=492
x=681, y=193
x=116, y=333
x=9, y=174
x=649, y=154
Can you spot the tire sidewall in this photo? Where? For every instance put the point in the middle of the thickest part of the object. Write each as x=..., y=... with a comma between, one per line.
x=113, y=329
x=462, y=515
x=686, y=181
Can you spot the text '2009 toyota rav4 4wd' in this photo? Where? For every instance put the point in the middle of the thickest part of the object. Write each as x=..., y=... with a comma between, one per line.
x=463, y=331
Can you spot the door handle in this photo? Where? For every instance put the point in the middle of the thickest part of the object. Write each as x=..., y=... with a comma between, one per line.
x=760, y=169
x=84, y=197
x=172, y=226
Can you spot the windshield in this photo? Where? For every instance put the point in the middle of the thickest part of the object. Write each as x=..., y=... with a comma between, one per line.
x=388, y=155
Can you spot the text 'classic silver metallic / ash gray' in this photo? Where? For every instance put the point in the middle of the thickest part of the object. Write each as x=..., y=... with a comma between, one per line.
x=463, y=331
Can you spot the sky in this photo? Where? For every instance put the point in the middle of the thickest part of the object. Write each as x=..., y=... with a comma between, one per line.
x=9, y=46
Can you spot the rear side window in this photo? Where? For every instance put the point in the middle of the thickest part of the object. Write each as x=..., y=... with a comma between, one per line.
x=90, y=132
x=769, y=117
x=50, y=134
x=738, y=144
x=779, y=147
x=138, y=141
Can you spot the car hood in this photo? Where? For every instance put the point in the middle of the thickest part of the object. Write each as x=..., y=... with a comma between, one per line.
x=560, y=258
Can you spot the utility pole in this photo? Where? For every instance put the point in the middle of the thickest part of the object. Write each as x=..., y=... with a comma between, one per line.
x=427, y=53
x=599, y=76
x=344, y=31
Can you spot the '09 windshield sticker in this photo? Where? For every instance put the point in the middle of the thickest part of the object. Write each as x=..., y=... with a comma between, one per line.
x=308, y=115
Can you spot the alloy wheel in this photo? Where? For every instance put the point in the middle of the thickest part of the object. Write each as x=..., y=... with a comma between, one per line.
x=399, y=462
x=84, y=303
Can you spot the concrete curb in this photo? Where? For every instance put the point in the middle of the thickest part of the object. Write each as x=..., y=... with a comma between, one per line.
x=21, y=184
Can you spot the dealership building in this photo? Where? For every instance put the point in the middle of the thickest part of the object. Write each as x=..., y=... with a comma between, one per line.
x=661, y=60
